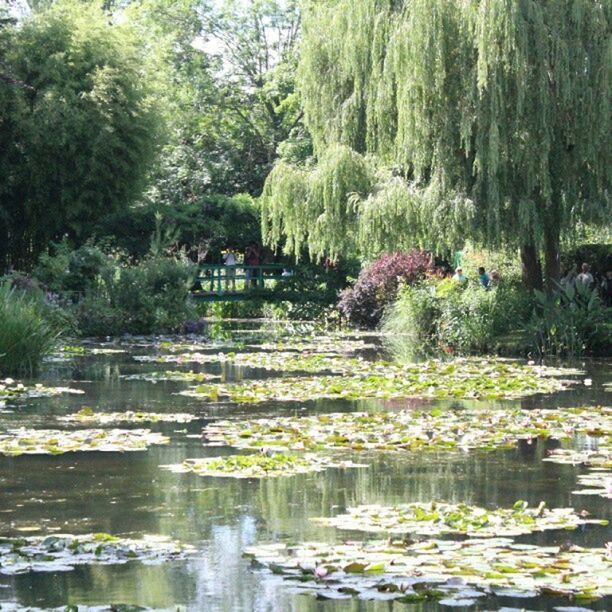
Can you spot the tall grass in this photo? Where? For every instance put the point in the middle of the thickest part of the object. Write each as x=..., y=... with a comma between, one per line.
x=26, y=332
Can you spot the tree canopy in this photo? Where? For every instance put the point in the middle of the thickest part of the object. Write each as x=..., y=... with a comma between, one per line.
x=78, y=125
x=439, y=120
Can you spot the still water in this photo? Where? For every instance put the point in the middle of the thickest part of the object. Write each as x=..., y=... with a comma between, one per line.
x=129, y=495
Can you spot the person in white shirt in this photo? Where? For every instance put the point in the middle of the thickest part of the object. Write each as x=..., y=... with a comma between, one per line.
x=585, y=278
x=229, y=260
x=459, y=276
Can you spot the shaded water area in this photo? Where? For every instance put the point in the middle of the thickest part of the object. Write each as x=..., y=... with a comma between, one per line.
x=127, y=494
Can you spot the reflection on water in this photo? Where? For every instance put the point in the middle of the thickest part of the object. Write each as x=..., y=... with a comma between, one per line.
x=127, y=494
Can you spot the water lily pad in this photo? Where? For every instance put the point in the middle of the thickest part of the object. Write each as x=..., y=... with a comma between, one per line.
x=24, y=441
x=61, y=552
x=172, y=375
x=87, y=415
x=10, y=388
x=441, y=518
x=480, y=563
x=259, y=466
x=409, y=430
x=598, y=481
x=466, y=378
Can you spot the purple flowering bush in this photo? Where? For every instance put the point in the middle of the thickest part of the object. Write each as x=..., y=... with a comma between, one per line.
x=377, y=285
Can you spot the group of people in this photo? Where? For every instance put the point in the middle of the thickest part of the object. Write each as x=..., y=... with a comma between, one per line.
x=486, y=281
x=584, y=278
x=571, y=278
x=252, y=258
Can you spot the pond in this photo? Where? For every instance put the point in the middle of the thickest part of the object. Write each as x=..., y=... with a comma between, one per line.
x=132, y=494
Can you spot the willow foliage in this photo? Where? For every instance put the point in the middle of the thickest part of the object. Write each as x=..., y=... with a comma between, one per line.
x=486, y=119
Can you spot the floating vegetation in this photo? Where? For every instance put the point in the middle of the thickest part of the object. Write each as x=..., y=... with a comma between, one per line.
x=468, y=379
x=10, y=388
x=441, y=518
x=598, y=481
x=411, y=430
x=280, y=361
x=172, y=375
x=56, y=442
x=417, y=571
x=87, y=415
x=88, y=350
x=259, y=466
x=61, y=552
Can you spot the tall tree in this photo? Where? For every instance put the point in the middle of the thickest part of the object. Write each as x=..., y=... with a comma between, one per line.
x=77, y=133
x=438, y=120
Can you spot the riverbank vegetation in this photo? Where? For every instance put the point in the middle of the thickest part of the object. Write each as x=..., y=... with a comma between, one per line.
x=160, y=136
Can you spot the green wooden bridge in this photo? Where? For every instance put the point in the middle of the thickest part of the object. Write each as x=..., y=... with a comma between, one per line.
x=221, y=283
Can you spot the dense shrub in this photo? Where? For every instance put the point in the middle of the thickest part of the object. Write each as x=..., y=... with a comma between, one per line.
x=445, y=316
x=569, y=322
x=109, y=294
x=377, y=285
x=150, y=296
x=28, y=329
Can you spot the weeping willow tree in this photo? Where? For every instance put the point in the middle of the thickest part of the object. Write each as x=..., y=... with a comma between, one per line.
x=434, y=121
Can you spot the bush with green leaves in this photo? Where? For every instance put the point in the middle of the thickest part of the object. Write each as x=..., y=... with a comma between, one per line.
x=446, y=316
x=570, y=322
x=28, y=329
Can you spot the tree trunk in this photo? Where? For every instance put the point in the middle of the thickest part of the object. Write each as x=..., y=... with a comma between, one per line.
x=552, y=264
x=531, y=268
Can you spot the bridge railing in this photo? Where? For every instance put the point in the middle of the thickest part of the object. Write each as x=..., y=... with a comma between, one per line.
x=219, y=279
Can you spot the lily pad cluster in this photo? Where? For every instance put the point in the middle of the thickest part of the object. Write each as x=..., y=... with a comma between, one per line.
x=598, y=481
x=10, y=388
x=411, y=430
x=82, y=349
x=62, y=552
x=259, y=466
x=23, y=441
x=87, y=415
x=280, y=361
x=172, y=375
x=442, y=518
x=475, y=379
x=416, y=571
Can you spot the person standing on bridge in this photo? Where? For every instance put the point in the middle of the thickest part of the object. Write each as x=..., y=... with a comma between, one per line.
x=229, y=261
x=252, y=258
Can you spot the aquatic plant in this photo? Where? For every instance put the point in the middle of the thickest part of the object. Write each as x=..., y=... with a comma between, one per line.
x=62, y=552
x=87, y=415
x=15, y=442
x=598, y=481
x=259, y=465
x=475, y=379
x=437, y=518
x=171, y=375
x=412, y=430
x=433, y=569
x=10, y=388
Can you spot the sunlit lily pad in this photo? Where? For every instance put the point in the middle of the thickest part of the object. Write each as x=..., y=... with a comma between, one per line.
x=56, y=442
x=87, y=415
x=279, y=361
x=410, y=430
x=466, y=378
x=406, y=570
x=259, y=466
x=82, y=349
x=598, y=481
x=61, y=552
x=173, y=375
x=10, y=388
x=441, y=518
